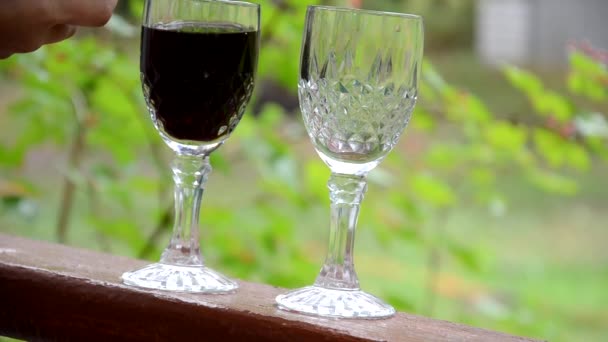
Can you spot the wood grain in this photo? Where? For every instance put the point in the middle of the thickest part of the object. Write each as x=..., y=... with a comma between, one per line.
x=55, y=292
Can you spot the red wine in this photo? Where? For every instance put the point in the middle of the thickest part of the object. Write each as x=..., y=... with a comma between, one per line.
x=198, y=78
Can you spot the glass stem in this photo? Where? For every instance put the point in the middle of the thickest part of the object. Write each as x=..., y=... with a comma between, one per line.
x=346, y=194
x=190, y=175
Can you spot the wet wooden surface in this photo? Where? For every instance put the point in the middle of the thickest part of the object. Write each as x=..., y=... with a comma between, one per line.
x=54, y=292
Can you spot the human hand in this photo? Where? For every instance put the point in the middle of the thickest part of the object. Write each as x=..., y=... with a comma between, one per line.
x=26, y=25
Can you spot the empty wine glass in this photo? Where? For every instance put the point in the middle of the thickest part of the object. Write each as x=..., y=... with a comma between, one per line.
x=198, y=64
x=359, y=73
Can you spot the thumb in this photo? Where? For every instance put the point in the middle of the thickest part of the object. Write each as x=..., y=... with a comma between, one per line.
x=85, y=12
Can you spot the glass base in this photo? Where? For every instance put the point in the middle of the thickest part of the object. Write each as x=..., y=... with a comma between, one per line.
x=198, y=279
x=318, y=301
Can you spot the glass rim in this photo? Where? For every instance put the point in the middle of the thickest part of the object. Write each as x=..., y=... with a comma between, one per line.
x=236, y=2
x=366, y=11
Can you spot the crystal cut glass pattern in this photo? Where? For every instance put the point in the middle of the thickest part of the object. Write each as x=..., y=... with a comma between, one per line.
x=337, y=303
x=180, y=279
x=355, y=121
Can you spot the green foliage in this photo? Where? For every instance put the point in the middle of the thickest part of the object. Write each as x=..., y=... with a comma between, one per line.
x=282, y=27
x=588, y=77
x=545, y=102
x=264, y=228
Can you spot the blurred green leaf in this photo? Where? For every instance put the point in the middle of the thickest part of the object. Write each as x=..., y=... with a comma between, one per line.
x=549, y=145
x=551, y=103
x=545, y=102
x=136, y=8
x=552, y=182
x=271, y=116
x=444, y=157
x=109, y=98
x=432, y=190
x=505, y=136
x=317, y=174
x=482, y=176
x=577, y=157
x=523, y=80
x=465, y=255
x=586, y=65
x=559, y=152
x=423, y=120
x=218, y=162
x=588, y=77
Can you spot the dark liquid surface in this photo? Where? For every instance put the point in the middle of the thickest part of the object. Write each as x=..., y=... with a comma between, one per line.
x=198, y=78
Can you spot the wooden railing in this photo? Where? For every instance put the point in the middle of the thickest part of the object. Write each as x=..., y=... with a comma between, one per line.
x=55, y=292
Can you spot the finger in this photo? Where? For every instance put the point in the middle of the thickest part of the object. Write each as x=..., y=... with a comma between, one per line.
x=5, y=54
x=58, y=33
x=52, y=35
x=85, y=12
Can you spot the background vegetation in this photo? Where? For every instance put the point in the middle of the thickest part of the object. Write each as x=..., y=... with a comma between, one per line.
x=491, y=210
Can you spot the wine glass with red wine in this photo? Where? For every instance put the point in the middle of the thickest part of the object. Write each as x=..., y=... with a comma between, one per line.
x=198, y=65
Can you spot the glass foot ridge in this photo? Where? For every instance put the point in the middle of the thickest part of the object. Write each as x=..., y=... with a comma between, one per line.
x=318, y=301
x=199, y=279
